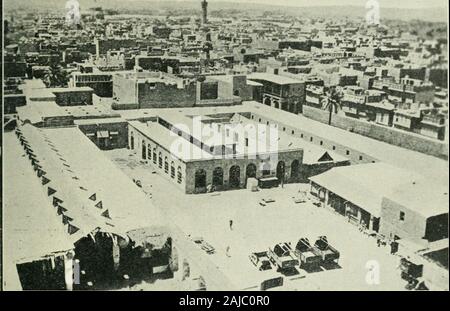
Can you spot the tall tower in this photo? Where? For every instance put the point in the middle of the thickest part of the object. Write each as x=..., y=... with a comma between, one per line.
x=204, y=12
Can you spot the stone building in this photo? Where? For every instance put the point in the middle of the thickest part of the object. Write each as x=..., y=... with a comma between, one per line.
x=280, y=92
x=175, y=146
x=101, y=83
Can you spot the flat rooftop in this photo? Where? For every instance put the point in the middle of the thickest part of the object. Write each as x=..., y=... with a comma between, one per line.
x=364, y=185
x=425, y=165
x=219, y=130
x=277, y=79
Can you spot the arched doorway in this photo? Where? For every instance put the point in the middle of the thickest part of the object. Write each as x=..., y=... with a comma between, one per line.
x=250, y=171
x=235, y=176
x=200, y=180
x=276, y=104
x=217, y=179
x=295, y=169
x=280, y=171
x=267, y=101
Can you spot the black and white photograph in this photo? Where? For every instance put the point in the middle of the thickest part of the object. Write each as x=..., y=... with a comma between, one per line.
x=225, y=146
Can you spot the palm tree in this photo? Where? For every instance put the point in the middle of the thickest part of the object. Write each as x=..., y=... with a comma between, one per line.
x=332, y=101
x=56, y=76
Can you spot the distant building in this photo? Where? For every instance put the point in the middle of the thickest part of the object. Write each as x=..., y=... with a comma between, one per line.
x=151, y=90
x=101, y=83
x=280, y=92
x=407, y=90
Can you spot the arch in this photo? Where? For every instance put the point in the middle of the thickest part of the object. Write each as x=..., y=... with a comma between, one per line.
x=250, y=171
x=217, y=179
x=160, y=161
x=295, y=168
x=281, y=167
x=276, y=104
x=149, y=152
x=235, y=177
x=154, y=155
x=267, y=101
x=200, y=180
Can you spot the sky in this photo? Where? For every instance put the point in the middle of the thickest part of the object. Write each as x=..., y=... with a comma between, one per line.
x=413, y=4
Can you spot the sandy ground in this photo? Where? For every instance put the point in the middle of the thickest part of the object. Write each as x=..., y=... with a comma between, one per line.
x=256, y=228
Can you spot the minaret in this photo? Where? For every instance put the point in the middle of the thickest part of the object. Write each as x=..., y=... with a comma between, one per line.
x=205, y=12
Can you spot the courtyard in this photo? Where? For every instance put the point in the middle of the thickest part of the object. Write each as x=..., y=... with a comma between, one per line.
x=256, y=228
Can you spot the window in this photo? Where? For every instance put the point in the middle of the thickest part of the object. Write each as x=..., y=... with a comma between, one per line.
x=334, y=147
x=172, y=170
x=154, y=155
x=149, y=152
x=293, y=132
x=246, y=142
x=179, y=175
x=284, y=129
x=311, y=138
x=160, y=160
x=166, y=166
x=402, y=216
x=301, y=135
x=360, y=158
x=347, y=152
x=321, y=142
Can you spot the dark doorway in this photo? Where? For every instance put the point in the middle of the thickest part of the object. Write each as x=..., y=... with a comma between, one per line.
x=131, y=141
x=250, y=171
x=235, y=177
x=144, y=152
x=217, y=177
x=294, y=169
x=281, y=167
x=200, y=181
x=376, y=224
